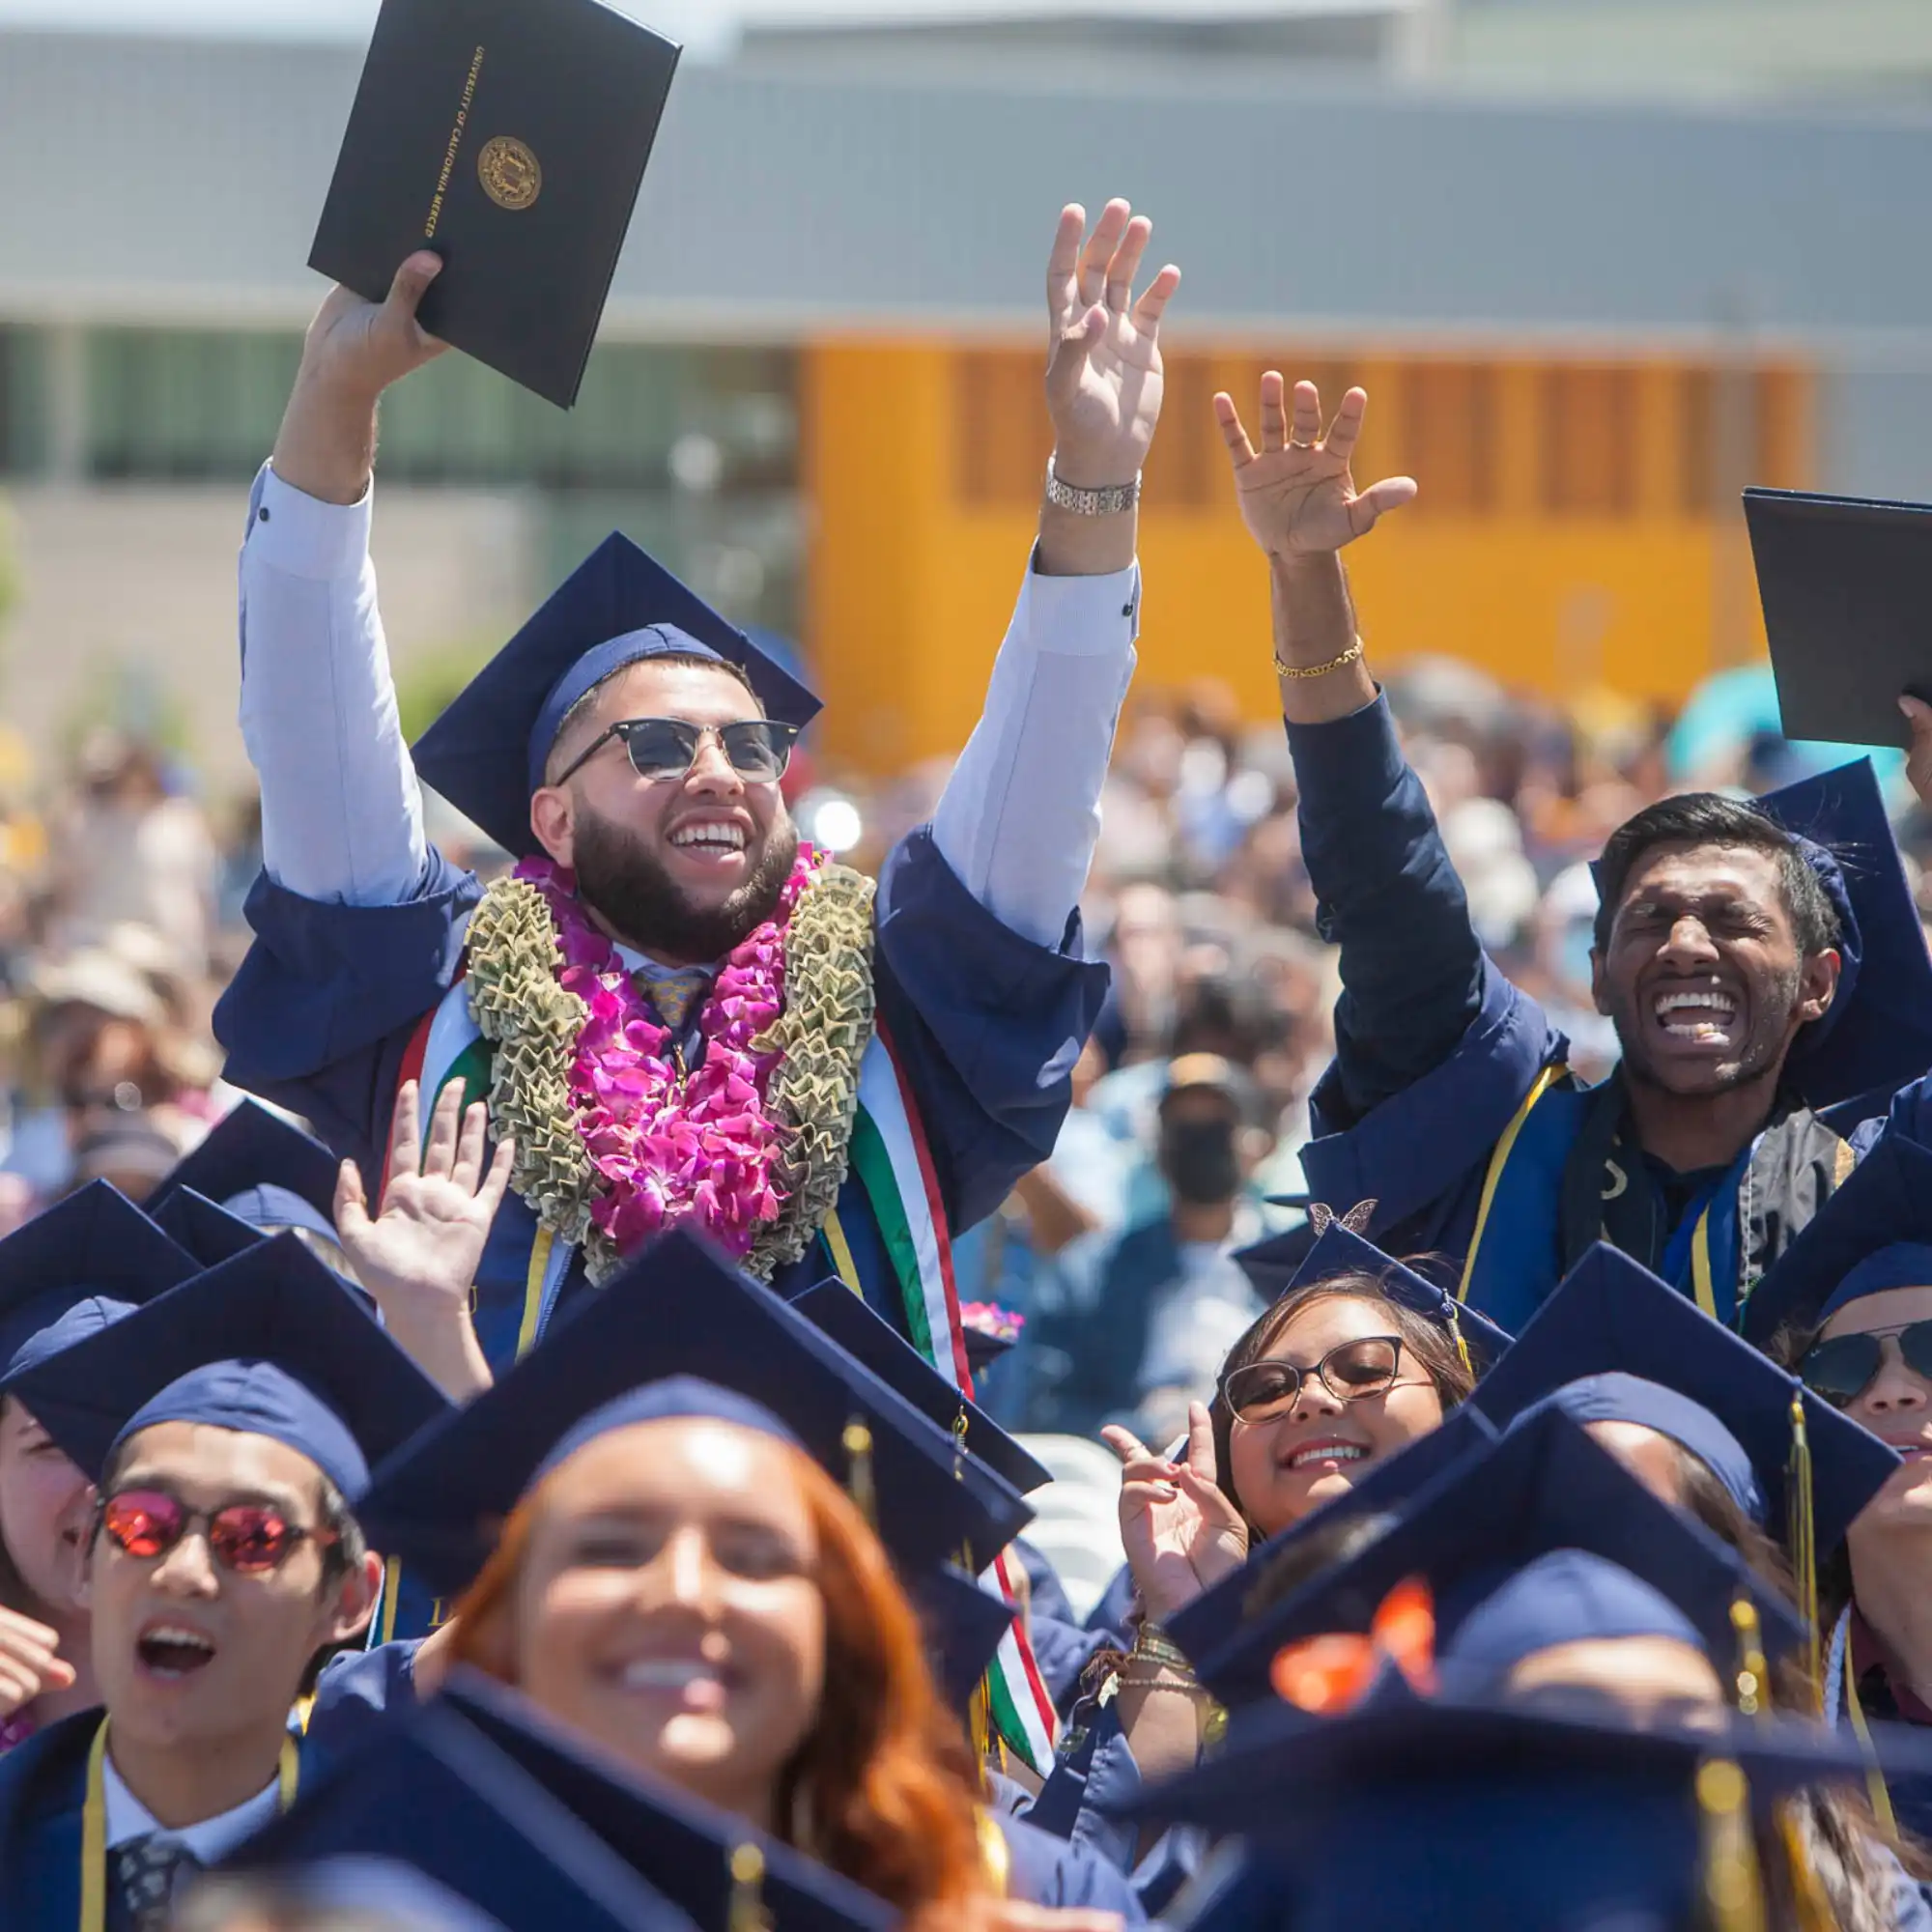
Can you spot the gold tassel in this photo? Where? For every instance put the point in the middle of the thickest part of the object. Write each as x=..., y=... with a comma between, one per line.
x=858, y=1443
x=1733, y=1887
x=960, y=1425
x=748, y=1912
x=1814, y=1909
x=1803, y=1539
x=1753, y=1679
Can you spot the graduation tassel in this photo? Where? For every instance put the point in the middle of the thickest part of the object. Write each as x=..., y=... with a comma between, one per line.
x=1753, y=1681
x=746, y=1912
x=960, y=1425
x=1804, y=1536
x=1733, y=1887
x=858, y=1445
x=1814, y=1909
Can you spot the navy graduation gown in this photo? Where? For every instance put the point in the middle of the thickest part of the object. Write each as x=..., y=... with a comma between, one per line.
x=1436, y=1054
x=42, y=1792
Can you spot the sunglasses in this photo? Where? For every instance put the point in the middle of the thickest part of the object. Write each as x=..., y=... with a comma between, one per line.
x=1350, y=1372
x=666, y=747
x=250, y=1539
x=1839, y=1371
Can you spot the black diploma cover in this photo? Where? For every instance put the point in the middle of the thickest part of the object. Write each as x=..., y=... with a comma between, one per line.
x=511, y=138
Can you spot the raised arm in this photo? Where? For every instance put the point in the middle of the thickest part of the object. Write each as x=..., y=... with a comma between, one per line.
x=341, y=812
x=1412, y=968
x=1020, y=817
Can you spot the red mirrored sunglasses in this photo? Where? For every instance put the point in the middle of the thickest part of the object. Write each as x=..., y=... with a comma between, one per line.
x=248, y=1538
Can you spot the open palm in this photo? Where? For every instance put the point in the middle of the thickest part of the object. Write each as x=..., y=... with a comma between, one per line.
x=1103, y=375
x=1180, y=1532
x=1296, y=493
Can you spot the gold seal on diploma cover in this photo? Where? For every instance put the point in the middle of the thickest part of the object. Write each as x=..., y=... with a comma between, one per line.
x=509, y=171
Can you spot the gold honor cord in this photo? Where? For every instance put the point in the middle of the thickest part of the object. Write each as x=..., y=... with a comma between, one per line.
x=1875, y=1784
x=1498, y=1162
x=1701, y=1265
x=94, y=1825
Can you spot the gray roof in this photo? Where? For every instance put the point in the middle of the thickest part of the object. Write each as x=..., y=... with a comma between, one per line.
x=148, y=179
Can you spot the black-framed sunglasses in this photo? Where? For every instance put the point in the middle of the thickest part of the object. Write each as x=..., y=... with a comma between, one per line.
x=758, y=749
x=1840, y=1370
x=1350, y=1372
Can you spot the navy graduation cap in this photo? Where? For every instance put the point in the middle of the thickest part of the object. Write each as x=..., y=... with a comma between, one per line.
x=1209, y=1622
x=1885, y=1202
x=1454, y=1815
x=430, y=1792
x=93, y=1246
x=836, y=1311
x=1545, y=1486
x=678, y=1310
x=685, y=1847
x=268, y=1343
x=1279, y=1264
x=208, y=1230
x=263, y=1169
x=1611, y=1314
x=965, y=1624
x=485, y=754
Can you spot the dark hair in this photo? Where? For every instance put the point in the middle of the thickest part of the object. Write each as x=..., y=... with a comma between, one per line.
x=689, y=660
x=1432, y=1345
x=1709, y=818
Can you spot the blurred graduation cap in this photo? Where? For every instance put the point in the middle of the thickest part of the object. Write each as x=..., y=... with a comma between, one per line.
x=1213, y=1618
x=1545, y=1486
x=1611, y=1313
x=487, y=752
x=1286, y=1262
x=695, y=1853
x=268, y=1343
x=1845, y=583
x=965, y=1623
x=96, y=1247
x=1452, y=1815
x=1885, y=1202
x=679, y=1310
x=1877, y=1034
x=264, y=1170
x=836, y=1311
x=430, y=1792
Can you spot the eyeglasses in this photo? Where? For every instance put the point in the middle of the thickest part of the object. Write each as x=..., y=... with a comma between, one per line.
x=666, y=747
x=1842, y=1369
x=250, y=1539
x=1350, y=1372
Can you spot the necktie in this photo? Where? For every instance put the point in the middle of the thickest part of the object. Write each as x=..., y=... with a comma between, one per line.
x=144, y=1871
x=675, y=994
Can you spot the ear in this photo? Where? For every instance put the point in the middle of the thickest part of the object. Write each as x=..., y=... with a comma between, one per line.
x=1599, y=983
x=553, y=820
x=356, y=1598
x=1818, y=985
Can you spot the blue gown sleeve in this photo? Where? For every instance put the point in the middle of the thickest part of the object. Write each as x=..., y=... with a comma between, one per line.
x=1388, y=896
x=1048, y=1870
x=356, y=1691
x=319, y=1016
x=987, y=1025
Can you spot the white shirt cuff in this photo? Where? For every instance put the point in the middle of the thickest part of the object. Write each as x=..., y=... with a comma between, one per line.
x=1080, y=616
x=302, y=536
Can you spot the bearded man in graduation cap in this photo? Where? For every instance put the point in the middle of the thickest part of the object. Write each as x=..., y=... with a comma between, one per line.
x=1763, y=963
x=680, y=1013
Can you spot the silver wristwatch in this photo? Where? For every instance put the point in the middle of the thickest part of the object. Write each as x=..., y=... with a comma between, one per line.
x=1109, y=502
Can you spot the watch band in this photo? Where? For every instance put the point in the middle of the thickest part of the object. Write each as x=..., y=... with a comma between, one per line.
x=1107, y=501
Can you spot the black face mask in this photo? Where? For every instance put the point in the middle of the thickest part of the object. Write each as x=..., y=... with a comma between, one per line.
x=1198, y=1159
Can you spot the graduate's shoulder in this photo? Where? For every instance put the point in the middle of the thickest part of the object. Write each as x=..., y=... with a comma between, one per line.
x=45, y=1776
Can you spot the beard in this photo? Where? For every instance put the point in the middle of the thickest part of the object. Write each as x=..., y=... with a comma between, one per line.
x=619, y=877
x=1760, y=1052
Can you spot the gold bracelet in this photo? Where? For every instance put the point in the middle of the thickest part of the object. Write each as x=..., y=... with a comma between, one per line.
x=1153, y=1645
x=1347, y=658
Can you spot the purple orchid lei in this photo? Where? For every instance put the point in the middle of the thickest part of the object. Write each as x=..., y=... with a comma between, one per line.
x=671, y=1144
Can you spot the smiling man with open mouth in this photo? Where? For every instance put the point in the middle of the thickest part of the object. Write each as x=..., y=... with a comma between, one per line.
x=228, y=1426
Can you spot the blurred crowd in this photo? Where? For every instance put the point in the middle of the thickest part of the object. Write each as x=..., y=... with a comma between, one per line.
x=121, y=916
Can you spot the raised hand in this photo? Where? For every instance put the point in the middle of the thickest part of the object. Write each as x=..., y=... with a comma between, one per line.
x=419, y=1256
x=1182, y=1534
x=29, y=1663
x=1296, y=493
x=1103, y=375
x=353, y=351
x=1919, y=760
